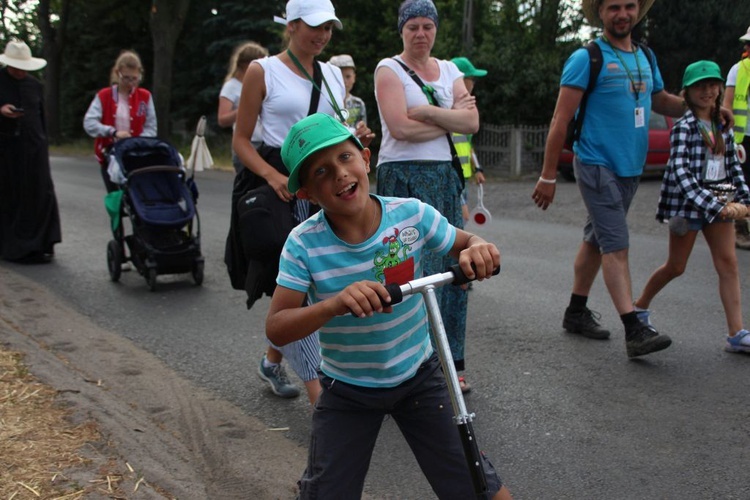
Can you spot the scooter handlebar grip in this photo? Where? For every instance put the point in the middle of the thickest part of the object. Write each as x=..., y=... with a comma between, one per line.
x=394, y=290
x=461, y=279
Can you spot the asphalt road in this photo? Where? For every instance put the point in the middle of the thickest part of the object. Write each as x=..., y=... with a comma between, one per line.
x=560, y=416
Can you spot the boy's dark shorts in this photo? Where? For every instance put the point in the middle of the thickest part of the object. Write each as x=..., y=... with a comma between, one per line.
x=345, y=426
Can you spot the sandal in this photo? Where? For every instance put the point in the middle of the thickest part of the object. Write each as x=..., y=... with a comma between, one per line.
x=465, y=387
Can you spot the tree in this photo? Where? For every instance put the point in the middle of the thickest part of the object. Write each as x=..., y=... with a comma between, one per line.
x=53, y=38
x=212, y=30
x=714, y=30
x=185, y=47
x=102, y=30
x=167, y=19
x=523, y=44
x=18, y=21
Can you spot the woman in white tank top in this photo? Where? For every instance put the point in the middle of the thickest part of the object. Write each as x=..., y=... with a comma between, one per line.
x=278, y=90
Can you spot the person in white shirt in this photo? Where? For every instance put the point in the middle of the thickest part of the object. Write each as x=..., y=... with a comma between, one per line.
x=281, y=90
x=229, y=96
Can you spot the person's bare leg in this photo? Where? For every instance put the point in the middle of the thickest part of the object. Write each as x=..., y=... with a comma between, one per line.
x=585, y=268
x=616, y=274
x=720, y=239
x=640, y=339
x=273, y=356
x=680, y=248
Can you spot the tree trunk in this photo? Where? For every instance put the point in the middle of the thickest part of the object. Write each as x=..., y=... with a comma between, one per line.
x=167, y=19
x=53, y=43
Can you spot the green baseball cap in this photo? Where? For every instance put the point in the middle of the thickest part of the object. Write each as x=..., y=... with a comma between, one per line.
x=468, y=69
x=701, y=70
x=307, y=136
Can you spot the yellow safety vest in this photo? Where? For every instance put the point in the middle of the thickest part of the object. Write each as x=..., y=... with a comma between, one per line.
x=462, y=143
x=740, y=103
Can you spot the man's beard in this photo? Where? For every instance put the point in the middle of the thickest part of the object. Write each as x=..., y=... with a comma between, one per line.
x=615, y=33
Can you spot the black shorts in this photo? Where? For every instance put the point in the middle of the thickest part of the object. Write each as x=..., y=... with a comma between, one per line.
x=346, y=422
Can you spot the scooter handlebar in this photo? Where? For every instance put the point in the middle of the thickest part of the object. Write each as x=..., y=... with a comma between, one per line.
x=394, y=290
x=397, y=291
x=460, y=277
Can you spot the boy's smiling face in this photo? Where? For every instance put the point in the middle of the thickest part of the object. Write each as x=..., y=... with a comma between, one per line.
x=336, y=178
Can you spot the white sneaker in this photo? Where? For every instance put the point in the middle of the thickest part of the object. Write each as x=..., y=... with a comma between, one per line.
x=740, y=342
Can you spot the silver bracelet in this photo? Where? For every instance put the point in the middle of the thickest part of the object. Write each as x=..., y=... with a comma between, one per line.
x=547, y=181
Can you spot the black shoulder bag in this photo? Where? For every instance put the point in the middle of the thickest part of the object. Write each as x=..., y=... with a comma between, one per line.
x=432, y=98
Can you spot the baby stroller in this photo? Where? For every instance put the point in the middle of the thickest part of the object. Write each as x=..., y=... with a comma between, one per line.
x=159, y=200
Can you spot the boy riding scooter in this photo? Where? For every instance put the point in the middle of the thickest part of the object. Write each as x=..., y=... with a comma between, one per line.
x=377, y=358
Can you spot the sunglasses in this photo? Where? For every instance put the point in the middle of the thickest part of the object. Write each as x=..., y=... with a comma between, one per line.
x=126, y=78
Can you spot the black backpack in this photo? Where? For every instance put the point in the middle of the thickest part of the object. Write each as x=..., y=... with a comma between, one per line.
x=573, y=132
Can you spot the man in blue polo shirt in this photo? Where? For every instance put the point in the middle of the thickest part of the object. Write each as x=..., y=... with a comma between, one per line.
x=609, y=158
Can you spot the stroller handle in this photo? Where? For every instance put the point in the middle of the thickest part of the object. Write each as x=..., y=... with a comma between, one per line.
x=156, y=168
x=454, y=275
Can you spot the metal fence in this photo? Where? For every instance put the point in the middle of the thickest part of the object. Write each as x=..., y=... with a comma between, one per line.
x=508, y=151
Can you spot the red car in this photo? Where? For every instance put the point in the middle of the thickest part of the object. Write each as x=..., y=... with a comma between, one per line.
x=657, y=157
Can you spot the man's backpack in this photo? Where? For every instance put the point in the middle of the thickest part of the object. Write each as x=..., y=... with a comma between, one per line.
x=573, y=132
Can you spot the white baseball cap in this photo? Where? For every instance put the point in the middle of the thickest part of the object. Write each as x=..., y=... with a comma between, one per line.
x=312, y=12
x=342, y=61
x=18, y=55
x=746, y=36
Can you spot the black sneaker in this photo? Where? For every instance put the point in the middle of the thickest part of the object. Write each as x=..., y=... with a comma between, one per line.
x=585, y=322
x=644, y=339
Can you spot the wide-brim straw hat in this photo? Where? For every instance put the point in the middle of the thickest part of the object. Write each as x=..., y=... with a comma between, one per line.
x=18, y=55
x=591, y=11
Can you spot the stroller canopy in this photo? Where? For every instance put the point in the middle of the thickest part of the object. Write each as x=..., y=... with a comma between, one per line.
x=138, y=152
x=159, y=196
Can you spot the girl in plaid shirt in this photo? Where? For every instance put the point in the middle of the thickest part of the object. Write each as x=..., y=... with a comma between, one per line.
x=703, y=169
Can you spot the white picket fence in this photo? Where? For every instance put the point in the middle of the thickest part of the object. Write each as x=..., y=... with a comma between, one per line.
x=510, y=152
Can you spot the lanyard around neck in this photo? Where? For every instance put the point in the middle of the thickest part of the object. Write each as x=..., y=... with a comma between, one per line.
x=636, y=88
x=331, y=100
x=709, y=136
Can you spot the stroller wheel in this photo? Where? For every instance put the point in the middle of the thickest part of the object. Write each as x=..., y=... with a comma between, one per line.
x=198, y=273
x=114, y=260
x=151, y=278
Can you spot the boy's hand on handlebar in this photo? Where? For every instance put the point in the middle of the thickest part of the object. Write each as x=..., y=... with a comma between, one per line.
x=484, y=256
x=362, y=299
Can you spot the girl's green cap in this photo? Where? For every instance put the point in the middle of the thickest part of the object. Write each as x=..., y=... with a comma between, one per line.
x=701, y=70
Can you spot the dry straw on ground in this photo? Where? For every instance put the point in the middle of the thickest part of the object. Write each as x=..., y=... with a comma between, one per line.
x=39, y=445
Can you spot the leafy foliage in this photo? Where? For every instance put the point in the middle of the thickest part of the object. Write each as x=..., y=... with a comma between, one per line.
x=684, y=32
x=18, y=21
x=522, y=43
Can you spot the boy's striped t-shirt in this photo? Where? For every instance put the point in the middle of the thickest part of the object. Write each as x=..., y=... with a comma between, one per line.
x=385, y=349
